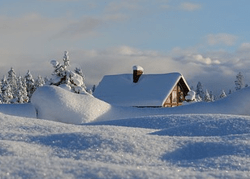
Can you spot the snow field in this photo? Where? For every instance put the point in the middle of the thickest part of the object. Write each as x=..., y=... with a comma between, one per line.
x=200, y=140
x=144, y=147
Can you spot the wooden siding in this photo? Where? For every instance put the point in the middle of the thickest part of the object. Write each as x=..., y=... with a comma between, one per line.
x=177, y=95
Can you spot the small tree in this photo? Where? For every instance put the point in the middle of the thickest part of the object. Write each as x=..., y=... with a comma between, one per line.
x=22, y=95
x=6, y=91
x=1, y=94
x=199, y=90
x=30, y=83
x=223, y=94
x=12, y=81
x=62, y=76
x=79, y=72
x=39, y=82
x=207, y=96
x=239, y=82
x=211, y=96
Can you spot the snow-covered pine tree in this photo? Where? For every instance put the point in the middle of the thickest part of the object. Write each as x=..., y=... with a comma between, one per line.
x=66, y=78
x=1, y=98
x=198, y=98
x=22, y=95
x=79, y=72
x=223, y=94
x=93, y=89
x=211, y=96
x=207, y=96
x=12, y=80
x=6, y=91
x=46, y=81
x=239, y=82
x=30, y=83
x=39, y=82
x=199, y=90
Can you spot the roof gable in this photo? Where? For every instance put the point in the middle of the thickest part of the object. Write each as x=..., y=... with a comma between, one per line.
x=151, y=89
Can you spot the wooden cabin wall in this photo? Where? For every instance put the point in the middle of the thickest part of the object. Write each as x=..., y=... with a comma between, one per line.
x=177, y=96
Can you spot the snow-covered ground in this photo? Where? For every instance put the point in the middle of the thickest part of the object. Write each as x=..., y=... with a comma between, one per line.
x=117, y=142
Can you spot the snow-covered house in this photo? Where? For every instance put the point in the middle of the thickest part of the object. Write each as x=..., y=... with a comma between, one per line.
x=143, y=90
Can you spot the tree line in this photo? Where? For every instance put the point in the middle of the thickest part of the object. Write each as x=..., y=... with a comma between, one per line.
x=208, y=96
x=19, y=89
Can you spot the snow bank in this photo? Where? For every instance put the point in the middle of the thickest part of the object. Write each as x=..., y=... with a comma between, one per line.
x=22, y=110
x=237, y=103
x=57, y=104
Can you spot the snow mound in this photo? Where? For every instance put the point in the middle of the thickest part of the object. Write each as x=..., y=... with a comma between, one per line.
x=237, y=103
x=57, y=104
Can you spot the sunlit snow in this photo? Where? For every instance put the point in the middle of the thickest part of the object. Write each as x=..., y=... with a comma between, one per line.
x=200, y=140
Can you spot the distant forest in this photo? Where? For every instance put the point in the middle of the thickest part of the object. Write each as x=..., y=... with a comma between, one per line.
x=19, y=89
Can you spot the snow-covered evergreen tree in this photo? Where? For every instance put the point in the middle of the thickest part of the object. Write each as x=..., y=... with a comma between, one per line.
x=198, y=98
x=6, y=91
x=1, y=96
x=207, y=96
x=22, y=95
x=12, y=80
x=39, y=82
x=223, y=94
x=79, y=72
x=239, y=82
x=30, y=82
x=211, y=96
x=66, y=78
x=93, y=88
x=199, y=90
x=46, y=81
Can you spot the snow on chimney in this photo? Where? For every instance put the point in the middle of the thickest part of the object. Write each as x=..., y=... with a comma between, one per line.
x=137, y=72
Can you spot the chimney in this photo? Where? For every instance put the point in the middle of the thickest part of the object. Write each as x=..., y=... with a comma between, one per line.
x=137, y=72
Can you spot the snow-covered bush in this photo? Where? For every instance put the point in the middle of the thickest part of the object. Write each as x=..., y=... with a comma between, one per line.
x=190, y=96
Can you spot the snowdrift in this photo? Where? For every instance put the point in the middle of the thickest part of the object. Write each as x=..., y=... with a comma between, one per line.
x=57, y=104
x=237, y=103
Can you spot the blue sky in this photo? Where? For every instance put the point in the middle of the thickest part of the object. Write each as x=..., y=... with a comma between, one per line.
x=206, y=41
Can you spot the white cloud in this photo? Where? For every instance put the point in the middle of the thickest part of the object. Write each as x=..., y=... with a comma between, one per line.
x=205, y=60
x=221, y=39
x=190, y=6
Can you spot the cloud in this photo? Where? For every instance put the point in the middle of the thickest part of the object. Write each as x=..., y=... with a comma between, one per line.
x=80, y=28
x=190, y=6
x=88, y=26
x=198, y=58
x=221, y=39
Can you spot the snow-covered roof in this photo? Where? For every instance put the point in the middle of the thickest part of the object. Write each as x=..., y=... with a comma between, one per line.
x=150, y=90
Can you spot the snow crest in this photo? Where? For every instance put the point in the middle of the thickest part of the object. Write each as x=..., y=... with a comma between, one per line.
x=57, y=104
